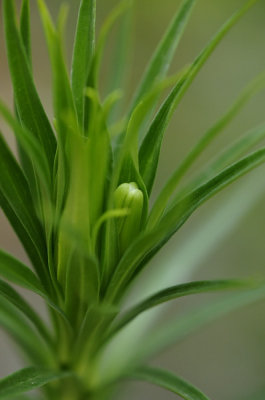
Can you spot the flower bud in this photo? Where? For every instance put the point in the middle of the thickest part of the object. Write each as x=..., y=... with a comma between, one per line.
x=128, y=196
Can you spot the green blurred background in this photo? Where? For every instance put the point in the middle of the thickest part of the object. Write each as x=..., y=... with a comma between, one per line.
x=227, y=359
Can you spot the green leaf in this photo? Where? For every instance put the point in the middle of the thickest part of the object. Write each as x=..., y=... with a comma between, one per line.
x=147, y=244
x=166, y=334
x=31, y=112
x=14, y=298
x=25, y=31
x=229, y=155
x=164, y=53
x=150, y=149
x=21, y=331
x=16, y=202
x=121, y=7
x=83, y=53
x=175, y=292
x=31, y=148
x=168, y=381
x=28, y=379
x=256, y=85
x=176, y=330
x=16, y=272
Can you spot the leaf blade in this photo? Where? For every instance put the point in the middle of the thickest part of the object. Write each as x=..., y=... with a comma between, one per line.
x=30, y=109
x=83, y=53
x=27, y=379
x=175, y=292
x=168, y=381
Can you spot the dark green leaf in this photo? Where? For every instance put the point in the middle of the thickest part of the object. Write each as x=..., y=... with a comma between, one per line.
x=168, y=381
x=29, y=107
x=28, y=379
x=83, y=53
x=16, y=201
x=25, y=31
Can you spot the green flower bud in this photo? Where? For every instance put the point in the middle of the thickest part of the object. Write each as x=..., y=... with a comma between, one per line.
x=129, y=196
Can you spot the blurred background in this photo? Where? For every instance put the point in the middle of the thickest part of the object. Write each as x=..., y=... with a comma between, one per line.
x=225, y=238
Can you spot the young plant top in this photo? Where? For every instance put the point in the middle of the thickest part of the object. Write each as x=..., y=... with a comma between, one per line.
x=78, y=200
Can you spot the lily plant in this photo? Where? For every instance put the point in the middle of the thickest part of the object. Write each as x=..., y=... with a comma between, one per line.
x=79, y=201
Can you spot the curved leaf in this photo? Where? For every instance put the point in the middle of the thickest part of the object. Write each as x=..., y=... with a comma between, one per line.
x=28, y=379
x=168, y=381
x=16, y=272
x=14, y=298
x=20, y=330
x=17, y=204
x=175, y=292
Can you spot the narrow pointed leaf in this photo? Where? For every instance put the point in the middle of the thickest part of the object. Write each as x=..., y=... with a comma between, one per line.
x=25, y=31
x=30, y=109
x=168, y=381
x=150, y=149
x=176, y=330
x=163, y=55
x=16, y=202
x=175, y=292
x=20, y=330
x=28, y=379
x=228, y=156
x=83, y=53
x=17, y=300
x=16, y=272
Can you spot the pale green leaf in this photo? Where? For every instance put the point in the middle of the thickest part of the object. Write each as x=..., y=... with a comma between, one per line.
x=168, y=381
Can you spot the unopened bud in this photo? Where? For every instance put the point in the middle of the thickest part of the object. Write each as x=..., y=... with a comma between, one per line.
x=129, y=196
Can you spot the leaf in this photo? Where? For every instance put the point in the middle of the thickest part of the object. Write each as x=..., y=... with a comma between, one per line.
x=164, y=53
x=83, y=53
x=16, y=272
x=174, y=292
x=28, y=379
x=229, y=155
x=147, y=244
x=27, y=339
x=169, y=188
x=16, y=201
x=14, y=298
x=25, y=28
x=121, y=7
x=30, y=146
x=150, y=148
x=30, y=109
x=173, y=331
x=168, y=381
x=176, y=330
